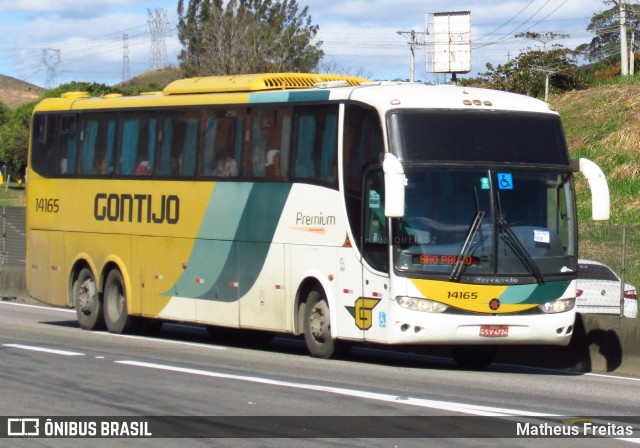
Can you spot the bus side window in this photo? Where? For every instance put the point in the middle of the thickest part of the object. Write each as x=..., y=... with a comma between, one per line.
x=189, y=146
x=88, y=136
x=67, y=149
x=44, y=144
x=208, y=159
x=285, y=116
x=152, y=140
x=107, y=167
x=137, y=144
x=97, y=142
x=329, y=155
x=169, y=152
x=262, y=128
x=375, y=223
x=276, y=128
x=129, y=145
x=316, y=144
x=306, y=133
x=361, y=147
x=222, y=144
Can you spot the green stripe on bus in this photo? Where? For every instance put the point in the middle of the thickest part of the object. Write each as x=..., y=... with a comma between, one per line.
x=233, y=241
x=534, y=293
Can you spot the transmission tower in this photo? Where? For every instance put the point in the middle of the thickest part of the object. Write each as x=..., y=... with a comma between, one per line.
x=51, y=58
x=157, y=25
x=125, y=58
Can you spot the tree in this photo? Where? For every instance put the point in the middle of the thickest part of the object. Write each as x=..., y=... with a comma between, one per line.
x=92, y=88
x=605, y=46
x=246, y=36
x=14, y=137
x=527, y=73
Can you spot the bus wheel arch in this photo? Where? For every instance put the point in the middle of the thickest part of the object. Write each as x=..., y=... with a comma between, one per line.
x=85, y=297
x=314, y=321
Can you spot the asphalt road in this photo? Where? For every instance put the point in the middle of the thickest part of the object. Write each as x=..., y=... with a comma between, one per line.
x=50, y=367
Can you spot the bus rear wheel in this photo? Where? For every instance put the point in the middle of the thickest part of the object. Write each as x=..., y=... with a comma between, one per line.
x=87, y=301
x=115, y=304
x=317, y=328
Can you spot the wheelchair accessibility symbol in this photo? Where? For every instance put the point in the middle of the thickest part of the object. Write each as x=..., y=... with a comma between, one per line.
x=505, y=181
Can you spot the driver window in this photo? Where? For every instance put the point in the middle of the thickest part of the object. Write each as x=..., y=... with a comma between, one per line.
x=375, y=223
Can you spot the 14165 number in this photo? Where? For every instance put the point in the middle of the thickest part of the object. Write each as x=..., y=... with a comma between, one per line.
x=47, y=205
x=462, y=295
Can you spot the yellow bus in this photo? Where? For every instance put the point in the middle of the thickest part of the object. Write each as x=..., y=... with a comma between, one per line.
x=327, y=206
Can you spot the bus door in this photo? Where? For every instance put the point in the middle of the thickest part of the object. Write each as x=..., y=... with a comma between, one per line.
x=371, y=308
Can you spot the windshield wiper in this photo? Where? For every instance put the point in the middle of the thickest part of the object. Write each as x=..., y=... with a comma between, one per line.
x=516, y=246
x=466, y=247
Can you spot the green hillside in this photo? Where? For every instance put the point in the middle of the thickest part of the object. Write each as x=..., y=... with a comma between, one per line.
x=603, y=124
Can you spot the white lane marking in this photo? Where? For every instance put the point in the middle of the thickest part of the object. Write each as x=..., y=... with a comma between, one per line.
x=168, y=341
x=403, y=400
x=463, y=408
x=43, y=349
x=41, y=307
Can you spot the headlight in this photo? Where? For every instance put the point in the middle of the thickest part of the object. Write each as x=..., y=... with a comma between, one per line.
x=558, y=306
x=426, y=305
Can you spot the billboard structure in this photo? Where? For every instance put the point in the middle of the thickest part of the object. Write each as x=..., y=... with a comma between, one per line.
x=449, y=42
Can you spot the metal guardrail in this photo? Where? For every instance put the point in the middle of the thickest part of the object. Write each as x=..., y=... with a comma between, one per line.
x=13, y=244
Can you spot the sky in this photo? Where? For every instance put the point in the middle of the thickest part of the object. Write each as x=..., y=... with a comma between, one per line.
x=49, y=42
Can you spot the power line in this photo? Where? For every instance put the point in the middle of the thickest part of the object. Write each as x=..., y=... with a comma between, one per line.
x=508, y=21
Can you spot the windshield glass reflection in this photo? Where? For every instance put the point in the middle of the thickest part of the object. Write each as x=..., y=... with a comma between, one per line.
x=461, y=222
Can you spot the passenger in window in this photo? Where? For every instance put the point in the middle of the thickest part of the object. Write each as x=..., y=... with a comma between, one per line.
x=227, y=166
x=273, y=165
x=100, y=164
x=143, y=169
x=176, y=163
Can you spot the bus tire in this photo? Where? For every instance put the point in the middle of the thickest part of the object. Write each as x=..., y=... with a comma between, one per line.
x=474, y=357
x=116, y=316
x=317, y=328
x=87, y=301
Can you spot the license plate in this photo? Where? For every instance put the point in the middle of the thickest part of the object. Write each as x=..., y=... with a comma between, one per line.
x=494, y=331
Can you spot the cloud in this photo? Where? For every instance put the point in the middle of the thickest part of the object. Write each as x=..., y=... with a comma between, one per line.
x=66, y=9
x=356, y=33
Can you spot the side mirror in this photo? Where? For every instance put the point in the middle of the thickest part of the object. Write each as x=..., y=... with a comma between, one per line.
x=394, y=183
x=600, y=200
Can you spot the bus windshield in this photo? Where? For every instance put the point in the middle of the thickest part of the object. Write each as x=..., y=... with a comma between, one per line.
x=473, y=135
x=462, y=222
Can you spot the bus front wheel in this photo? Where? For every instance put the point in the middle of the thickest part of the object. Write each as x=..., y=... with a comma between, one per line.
x=87, y=301
x=115, y=304
x=317, y=328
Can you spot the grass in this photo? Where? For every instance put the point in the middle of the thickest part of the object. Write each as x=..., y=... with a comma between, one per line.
x=602, y=124
x=12, y=195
